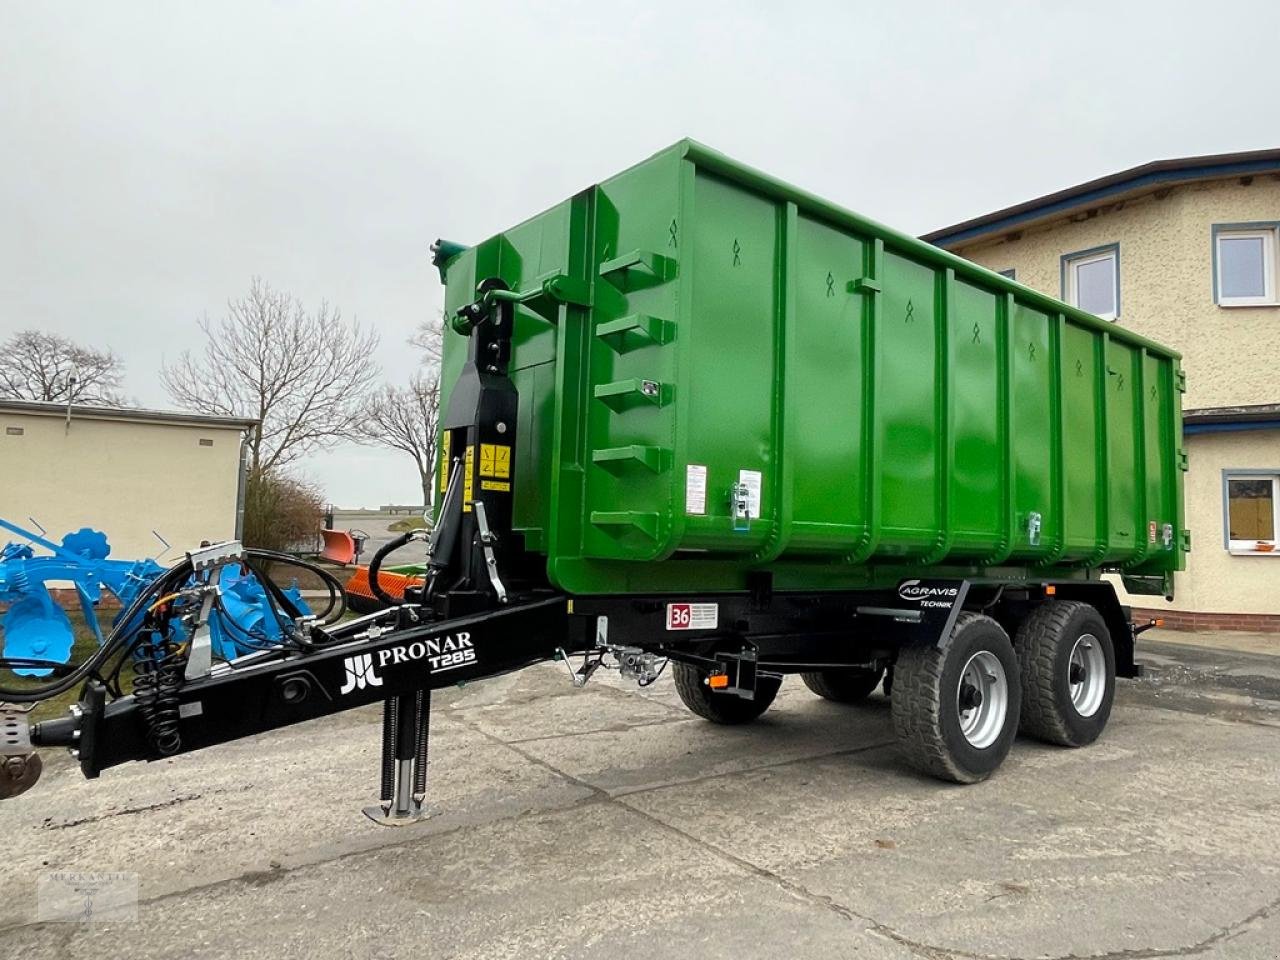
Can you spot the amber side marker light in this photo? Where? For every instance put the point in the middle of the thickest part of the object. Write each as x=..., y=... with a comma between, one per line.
x=718, y=681
x=1050, y=590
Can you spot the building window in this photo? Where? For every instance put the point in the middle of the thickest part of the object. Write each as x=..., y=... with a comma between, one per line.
x=1091, y=280
x=1251, y=498
x=1244, y=264
x=1011, y=273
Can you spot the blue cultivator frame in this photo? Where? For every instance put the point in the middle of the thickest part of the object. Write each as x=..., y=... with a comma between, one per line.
x=35, y=629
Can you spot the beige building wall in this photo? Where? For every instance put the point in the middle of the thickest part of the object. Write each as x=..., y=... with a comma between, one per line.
x=1217, y=581
x=124, y=477
x=1230, y=354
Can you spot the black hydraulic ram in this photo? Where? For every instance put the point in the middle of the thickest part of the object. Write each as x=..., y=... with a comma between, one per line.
x=380, y=657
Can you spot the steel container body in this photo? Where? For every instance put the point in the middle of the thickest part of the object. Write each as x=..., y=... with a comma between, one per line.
x=719, y=373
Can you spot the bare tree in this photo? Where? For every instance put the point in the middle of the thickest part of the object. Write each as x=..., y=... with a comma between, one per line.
x=407, y=418
x=429, y=338
x=304, y=375
x=45, y=366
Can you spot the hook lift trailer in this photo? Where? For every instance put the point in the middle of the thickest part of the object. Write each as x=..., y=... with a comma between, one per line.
x=486, y=609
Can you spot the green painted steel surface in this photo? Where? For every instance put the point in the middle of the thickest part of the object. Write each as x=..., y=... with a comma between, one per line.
x=905, y=411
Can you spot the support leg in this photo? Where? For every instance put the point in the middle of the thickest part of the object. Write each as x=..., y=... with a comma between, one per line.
x=405, y=730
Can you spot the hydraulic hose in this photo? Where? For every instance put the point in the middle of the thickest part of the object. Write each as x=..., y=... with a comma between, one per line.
x=376, y=564
x=337, y=592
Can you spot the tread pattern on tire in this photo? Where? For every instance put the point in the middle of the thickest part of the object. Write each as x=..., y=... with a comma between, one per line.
x=720, y=707
x=843, y=686
x=917, y=706
x=1037, y=662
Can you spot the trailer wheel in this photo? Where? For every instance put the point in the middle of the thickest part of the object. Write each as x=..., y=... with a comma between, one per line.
x=955, y=705
x=844, y=686
x=1068, y=673
x=727, y=708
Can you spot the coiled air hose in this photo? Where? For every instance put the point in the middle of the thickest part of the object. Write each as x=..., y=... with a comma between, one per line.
x=157, y=676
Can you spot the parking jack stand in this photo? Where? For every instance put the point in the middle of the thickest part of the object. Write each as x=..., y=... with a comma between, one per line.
x=406, y=727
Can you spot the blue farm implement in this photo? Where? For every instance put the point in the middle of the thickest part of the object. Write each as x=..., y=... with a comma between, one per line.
x=37, y=632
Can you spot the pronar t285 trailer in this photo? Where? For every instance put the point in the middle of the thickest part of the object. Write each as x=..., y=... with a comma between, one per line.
x=697, y=416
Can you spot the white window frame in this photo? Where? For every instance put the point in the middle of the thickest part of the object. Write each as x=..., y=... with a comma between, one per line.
x=1244, y=231
x=1072, y=262
x=1251, y=547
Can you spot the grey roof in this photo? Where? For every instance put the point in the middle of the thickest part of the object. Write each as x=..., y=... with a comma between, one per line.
x=1136, y=180
x=1248, y=413
x=83, y=411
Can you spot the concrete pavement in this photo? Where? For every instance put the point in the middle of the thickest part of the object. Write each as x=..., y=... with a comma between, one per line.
x=608, y=822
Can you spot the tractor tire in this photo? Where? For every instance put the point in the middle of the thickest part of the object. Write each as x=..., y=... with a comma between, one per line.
x=726, y=708
x=1068, y=667
x=844, y=686
x=955, y=706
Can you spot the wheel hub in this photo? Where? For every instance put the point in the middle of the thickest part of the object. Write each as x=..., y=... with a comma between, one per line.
x=970, y=696
x=982, y=699
x=1087, y=675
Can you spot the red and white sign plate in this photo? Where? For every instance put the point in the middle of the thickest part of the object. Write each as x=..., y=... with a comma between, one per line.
x=693, y=616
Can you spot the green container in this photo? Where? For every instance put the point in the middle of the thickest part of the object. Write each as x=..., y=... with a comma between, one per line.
x=695, y=335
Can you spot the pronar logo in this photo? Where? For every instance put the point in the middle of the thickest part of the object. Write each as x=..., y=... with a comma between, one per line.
x=359, y=673
x=440, y=653
x=915, y=590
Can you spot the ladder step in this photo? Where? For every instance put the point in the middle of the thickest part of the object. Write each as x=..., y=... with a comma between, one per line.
x=638, y=269
x=633, y=332
x=622, y=395
x=620, y=459
x=622, y=522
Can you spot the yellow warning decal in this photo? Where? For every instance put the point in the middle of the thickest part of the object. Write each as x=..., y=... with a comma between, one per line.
x=495, y=485
x=468, y=476
x=495, y=460
x=444, y=462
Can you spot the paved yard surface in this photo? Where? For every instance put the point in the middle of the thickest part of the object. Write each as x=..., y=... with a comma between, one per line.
x=609, y=823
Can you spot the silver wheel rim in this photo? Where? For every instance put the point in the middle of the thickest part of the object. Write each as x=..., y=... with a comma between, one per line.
x=1087, y=675
x=982, y=699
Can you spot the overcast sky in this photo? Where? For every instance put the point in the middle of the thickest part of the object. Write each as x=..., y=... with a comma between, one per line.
x=154, y=157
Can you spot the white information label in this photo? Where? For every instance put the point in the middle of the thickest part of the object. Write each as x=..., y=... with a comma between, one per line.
x=695, y=489
x=693, y=616
x=751, y=480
